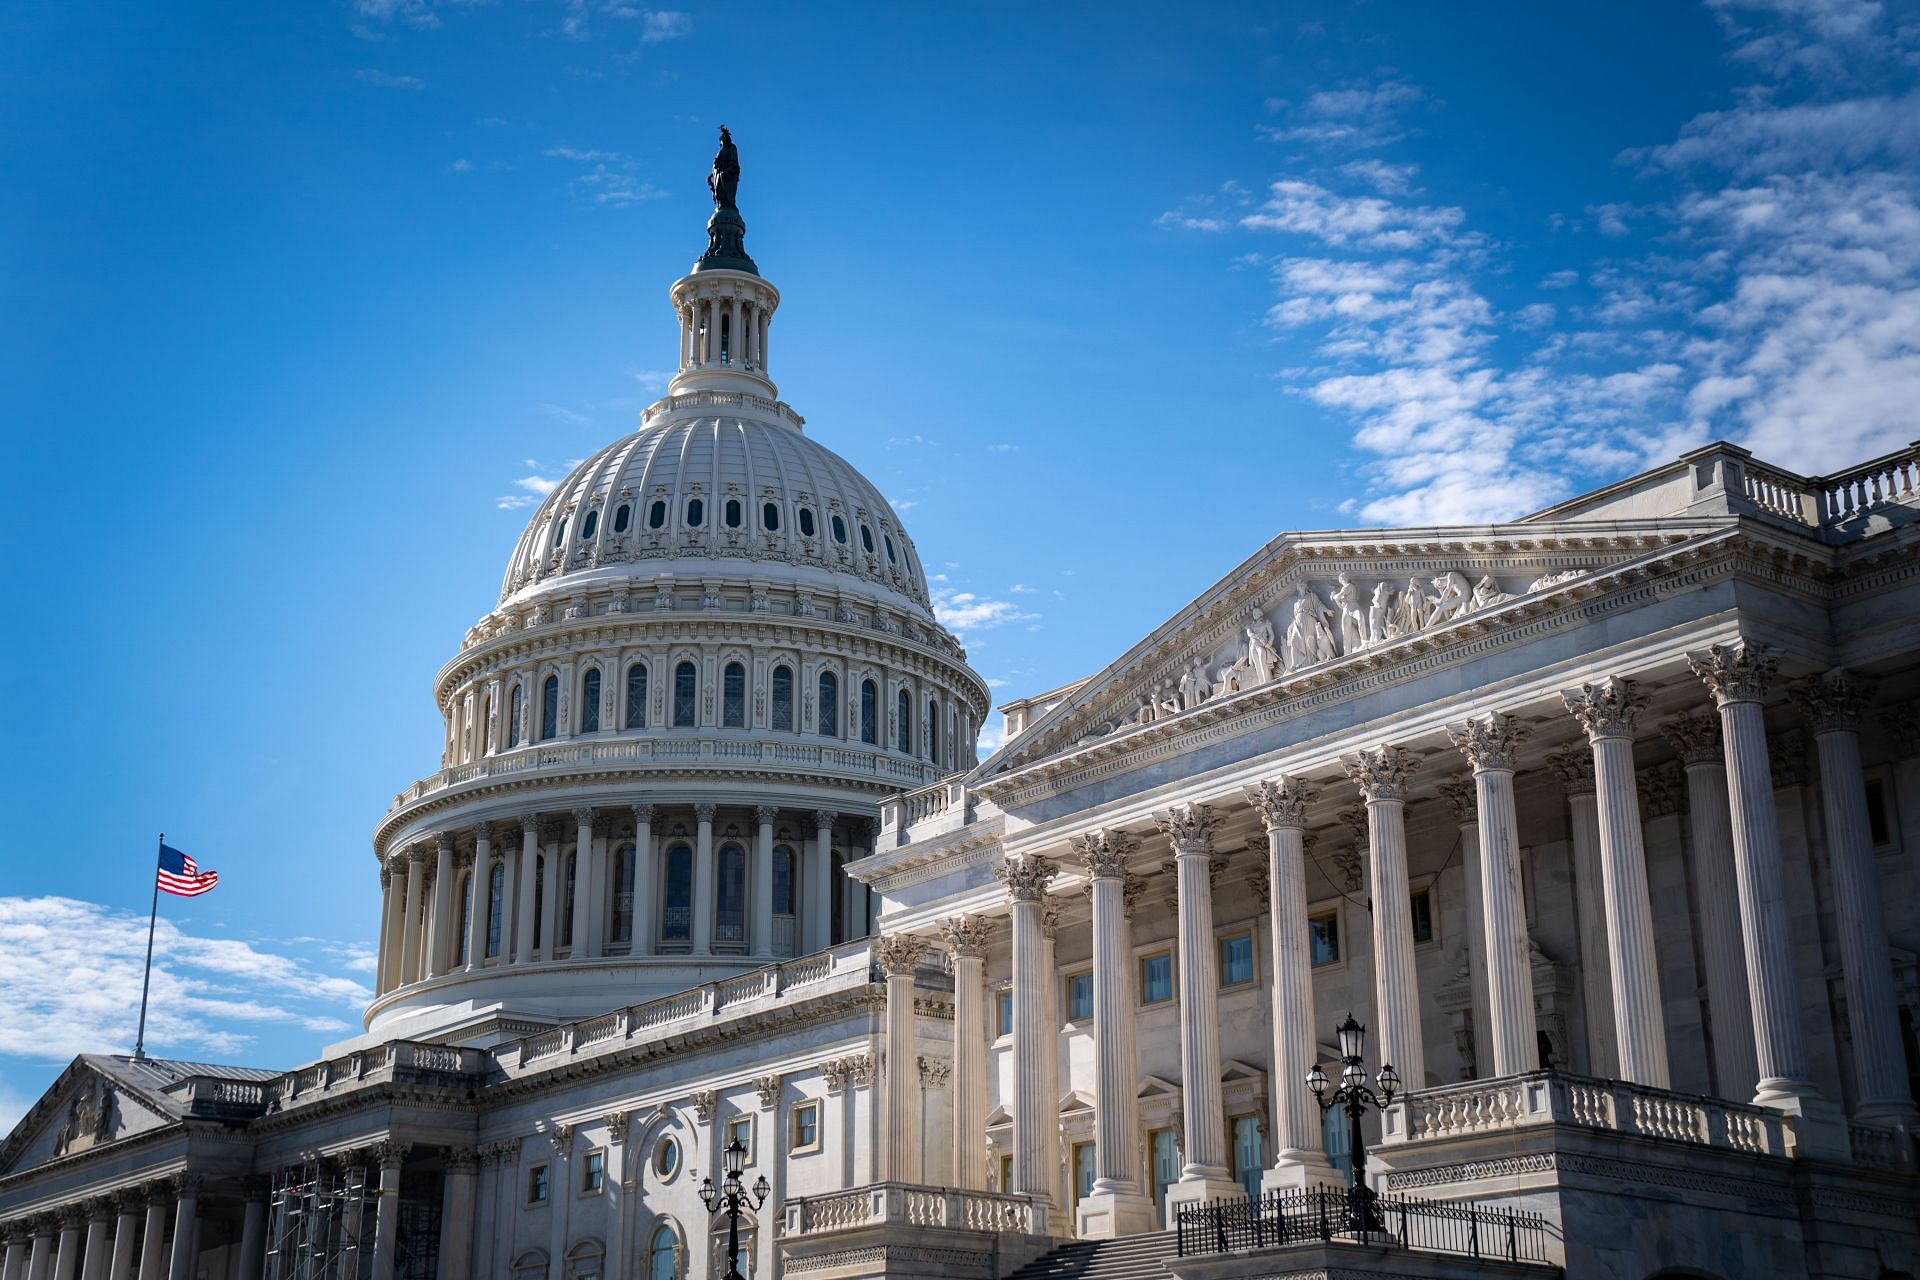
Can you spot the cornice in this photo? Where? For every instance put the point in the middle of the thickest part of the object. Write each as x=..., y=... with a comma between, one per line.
x=911, y=864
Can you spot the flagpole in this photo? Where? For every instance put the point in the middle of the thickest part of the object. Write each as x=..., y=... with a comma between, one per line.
x=153, y=918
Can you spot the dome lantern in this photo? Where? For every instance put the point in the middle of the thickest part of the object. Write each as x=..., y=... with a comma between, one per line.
x=724, y=307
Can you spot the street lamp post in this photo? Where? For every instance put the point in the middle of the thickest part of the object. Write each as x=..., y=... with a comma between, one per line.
x=733, y=1198
x=1363, y=1214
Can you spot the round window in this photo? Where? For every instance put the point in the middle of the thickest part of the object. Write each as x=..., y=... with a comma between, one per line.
x=666, y=1158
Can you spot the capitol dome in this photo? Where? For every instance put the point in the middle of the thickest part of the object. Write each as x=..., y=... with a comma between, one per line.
x=711, y=660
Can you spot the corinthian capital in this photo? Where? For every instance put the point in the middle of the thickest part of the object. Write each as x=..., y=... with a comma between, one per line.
x=1105, y=853
x=1281, y=801
x=1607, y=709
x=1695, y=738
x=444, y=843
x=1833, y=702
x=1381, y=772
x=1490, y=742
x=1735, y=672
x=968, y=936
x=1463, y=798
x=1188, y=827
x=1027, y=878
x=898, y=954
x=1574, y=767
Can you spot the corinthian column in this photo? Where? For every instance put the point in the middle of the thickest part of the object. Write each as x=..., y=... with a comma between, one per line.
x=1574, y=767
x=1607, y=711
x=968, y=937
x=94, y=1256
x=1204, y=1176
x=1298, y=1157
x=1729, y=1015
x=523, y=927
x=441, y=958
x=1738, y=676
x=703, y=879
x=480, y=896
x=386, y=1220
x=1036, y=1115
x=411, y=927
x=1491, y=745
x=1381, y=774
x=898, y=955
x=390, y=907
x=1834, y=702
x=1116, y=1207
x=817, y=901
x=762, y=880
x=585, y=881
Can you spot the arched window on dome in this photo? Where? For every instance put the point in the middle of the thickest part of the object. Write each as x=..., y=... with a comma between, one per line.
x=622, y=518
x=806, y=522
x=829, y=705
x=888, y=539
x=735, y=513
x=486, y=723
x=549, y=707
x=621, y=934
x=563, y=927
x=496, y=890
x=730, y=896
x=840, y=531
x=663, y=1254
x=782, y=717
x=676, y=903
x=513, y=715
x=869, y=713
x=657, y=514
x=696, y=512
x=686, y=683
x=637, y=696
x=726, y=338
x=733, y=696
x=589, y=526
x=866, y=538
x=933, y=730
x=590, y=701
x=560, y=532
x=464, y=897
x=903, y=730
x=770, y=517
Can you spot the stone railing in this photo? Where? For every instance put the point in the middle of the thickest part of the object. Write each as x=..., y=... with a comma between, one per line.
x=1612, y=1106
x=1834, y=504
x=396, y=1060
x=907, y=1204
x=1884, y=480
x=1876, y=1148
x=946, y=799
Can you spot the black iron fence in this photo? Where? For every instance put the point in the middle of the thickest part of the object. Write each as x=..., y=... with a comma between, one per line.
x=1322, y=1214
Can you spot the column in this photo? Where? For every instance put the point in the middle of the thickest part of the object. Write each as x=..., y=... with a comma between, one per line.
x=860, y=921
x=66, y=1262
x=762, y=881
x=393, y=924
x=703, y=879
x=643, y=880
x=1738, y=676
x=380, y=974
x=445, y=945
x=1491, y=745
x=1117, y=1206
x=1205, y=1174
x=386, y=1220
x=516, y=895
x=1036, y=1115
x=352, y=1171
x=481, y=897
x=734, y=341
x=40, y=1260
x=1298, y=1160
x=820, y=884
x=1381, y=774
x=898, y=956
x=13, y=1266
x=126, y=1235
x=456, y=1214
x=93, y=1264
x=968, y=938
x=1607, y=711
x=1462, y=798
x=765, y=315
x=1729, y=1015
x=1574, y=767
x=186, y=1221
x=1834, y=702
x=552, y=891
x=584, y=880
x=410, y=930
x=152, y=1265
x=253, y=1231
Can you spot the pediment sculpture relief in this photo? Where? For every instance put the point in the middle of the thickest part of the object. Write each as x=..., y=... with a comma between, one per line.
x=89, y=1118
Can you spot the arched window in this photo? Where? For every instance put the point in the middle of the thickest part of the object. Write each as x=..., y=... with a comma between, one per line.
x=622, y=518
x=770, y=517
x=903, y=731
x=560, y=532
x=783, y=904
x=696, y=512
x=590, y=701
x=730, y=897
x=539, y=897
x=622, y=932
x=663, y=1254
x=726, y=338
x=782, y=698
x=686, y=685
x=589, y=526
x=891, y=558
x=676, y=904
x=549, y=707
x=657, y=514
x=486, y=724
x=869, y=713
x=733, y=696
x=496, y=889
x=933, y=730
x=563, y=927
x=840, y=531
x=467, y=883
x=829, y=705
x=513, y=715
x=806, y=522
x=734, y=513
x=637, y=696
x=866, y=539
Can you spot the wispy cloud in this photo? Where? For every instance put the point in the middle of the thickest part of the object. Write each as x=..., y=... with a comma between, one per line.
x=964, y=612
x=605, y=177
x=387, y=80
x=663, y=24
x=1355, y=115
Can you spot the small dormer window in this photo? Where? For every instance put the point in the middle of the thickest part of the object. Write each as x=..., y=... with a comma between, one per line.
x=866, y=539
x=891, y=558
x=806, y=522
x=622, y=518
x=696, y=512
x=657, y=515
x=770, y=517
x=589, y=525
x=733, y=513
x=840, y=531
x=560, y=532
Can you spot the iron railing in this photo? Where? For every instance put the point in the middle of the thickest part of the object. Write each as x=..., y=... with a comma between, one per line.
x=1283, y=1218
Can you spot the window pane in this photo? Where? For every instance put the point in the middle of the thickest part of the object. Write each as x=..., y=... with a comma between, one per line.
x=783, y=882
x=903, y=731
x=770, y=517
x=1156, y=978
x=782, y=698
x=657, y=516
x=1248, y=1160
x=497, y=882
x=869, y=712
x=513, y=717
x=1323, y=938
x=733, y=696
x=806, y=522
x=590, y=702
x=623, y=897
x=1236, y=959
x=696, y=512
x=685, y=689
x=622, y=518
x=1422, y=915
x=637, y=696
x=839, y=531
x=593, y=1171
x=829, y=705
x=866, y=539
x=1003, y=1014
x=730, y=909
x=589, y=525
x=1079, y=1000
x=933, y=731
x=676, y=913
x=1082, y=1170
x=550, y=707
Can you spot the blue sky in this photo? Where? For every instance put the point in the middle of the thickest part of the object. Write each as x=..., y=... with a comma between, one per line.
x=305, y=304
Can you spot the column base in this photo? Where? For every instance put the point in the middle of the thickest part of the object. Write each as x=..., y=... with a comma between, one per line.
x=1816, y=1128
x=1120, y=1211
x=1301, y=1170
x=1199, y=1185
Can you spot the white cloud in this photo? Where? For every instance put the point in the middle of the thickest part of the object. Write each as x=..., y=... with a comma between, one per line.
x=655, y=380
x=460, y=166
x=387, y=80
x=1387, y=179
x=1020, y=589
x=1359, y=115
x=664, y=24
x=605, y=177
x=993, y=736
x=962, y=612
x=903, y=504
x=1307, y=208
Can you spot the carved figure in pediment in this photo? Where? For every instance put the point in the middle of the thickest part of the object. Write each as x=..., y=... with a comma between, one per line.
x=1194, y=688
x=1487, y=593
x=1381, y=626
x=1299, y=652
x=1262, y=657
x=1233, y=677
x=1412, y=611
x=89, y=1118
x=1145, y=713
x=1452, y=596
x=1169, y=702
x=1353, y=616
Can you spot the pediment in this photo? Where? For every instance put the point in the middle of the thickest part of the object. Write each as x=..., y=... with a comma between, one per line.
x=1309, y=607
x=85, y=1108
x=1156, y=1087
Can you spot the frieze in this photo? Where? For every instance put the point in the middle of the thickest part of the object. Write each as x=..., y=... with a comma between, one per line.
x=1472, y=1171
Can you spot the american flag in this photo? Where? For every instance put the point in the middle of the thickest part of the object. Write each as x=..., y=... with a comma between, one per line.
x=182, y=876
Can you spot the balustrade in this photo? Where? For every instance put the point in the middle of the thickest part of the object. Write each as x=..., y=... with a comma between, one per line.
x=913, y=1205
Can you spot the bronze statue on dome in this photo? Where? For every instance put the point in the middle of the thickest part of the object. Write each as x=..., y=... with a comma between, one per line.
x=724, y=181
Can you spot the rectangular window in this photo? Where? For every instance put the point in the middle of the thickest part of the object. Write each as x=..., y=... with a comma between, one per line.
x=1236, y=959
x=1156, y=977
x=1323, y=938
x=1006, y=1174
x=806, y=1126
x=1078, y=1000
x=1003, y=1013
x=593, y=1172
x=1879, y=828
x=1423, y=915
x=1082, y=1171
x=740, y=1130
x=537, y=1184
x=1164, y=1153
x=1248, y=1162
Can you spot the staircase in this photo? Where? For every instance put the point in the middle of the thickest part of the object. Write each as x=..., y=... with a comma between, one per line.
x=1123, y=1258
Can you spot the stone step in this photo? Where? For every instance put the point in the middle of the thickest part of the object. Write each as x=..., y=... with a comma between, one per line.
x=1140, y=1257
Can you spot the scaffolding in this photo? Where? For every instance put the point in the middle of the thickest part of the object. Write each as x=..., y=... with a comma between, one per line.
x=321, y=1224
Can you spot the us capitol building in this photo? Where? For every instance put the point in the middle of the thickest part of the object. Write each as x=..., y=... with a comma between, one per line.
x=1605, y=823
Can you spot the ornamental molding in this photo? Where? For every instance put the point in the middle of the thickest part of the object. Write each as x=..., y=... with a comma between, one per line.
x=970, y=936
x=1695, y=738
x=1735, y=672
x=1105, y=853
x=1441, y=1175
x=767, y=1088
x=1833, y=701
x=1573, y=766
x=897, y=955
x=1607, y=709
x=1381, y=772
x=1282, y=801
x=1026, y=877
x=1188, y=828
x=703, y=1102
x=1463, y=799
x=1491, y=742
